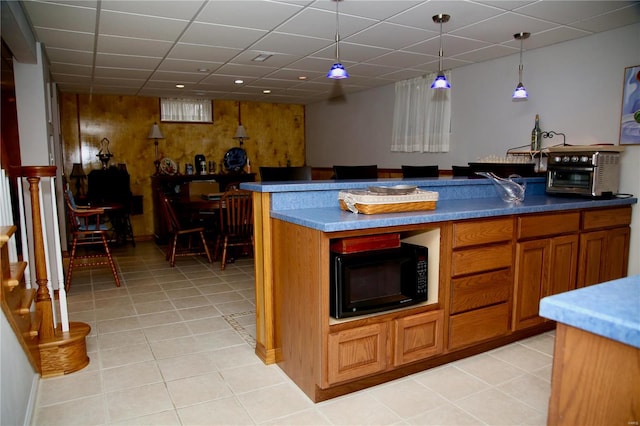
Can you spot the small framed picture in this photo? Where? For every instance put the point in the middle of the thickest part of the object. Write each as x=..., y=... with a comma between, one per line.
x=630, y=120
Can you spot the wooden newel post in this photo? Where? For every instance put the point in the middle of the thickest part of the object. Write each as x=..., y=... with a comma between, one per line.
x=43, y=297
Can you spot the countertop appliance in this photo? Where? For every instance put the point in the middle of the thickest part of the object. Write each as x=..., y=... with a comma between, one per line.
x=584, y=170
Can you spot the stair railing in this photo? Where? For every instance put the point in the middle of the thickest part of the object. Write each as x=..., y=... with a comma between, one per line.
x=36, y=247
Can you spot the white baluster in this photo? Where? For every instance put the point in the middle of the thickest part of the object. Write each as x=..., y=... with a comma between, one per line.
x=23, y=234
x=6, y=215
x=62, y=294
x=46, y=252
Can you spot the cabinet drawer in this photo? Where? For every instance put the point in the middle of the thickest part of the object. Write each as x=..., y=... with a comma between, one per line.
x=481, y=324
x=481, y=259
x=593, y=219
x=482, y=232
x=480, y=290
x=418, y=337
x=542, y=225
x=357, y=352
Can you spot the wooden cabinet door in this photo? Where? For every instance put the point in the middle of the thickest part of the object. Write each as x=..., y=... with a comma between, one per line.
x=418, y=337
x=604, y=256
x=563, y=264
x=617, y=254
x=357, y=352
x=543, y=267
x=532, y=275
x=591, y=262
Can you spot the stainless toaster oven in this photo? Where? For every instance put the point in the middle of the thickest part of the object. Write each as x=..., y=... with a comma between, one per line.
x=587, y=171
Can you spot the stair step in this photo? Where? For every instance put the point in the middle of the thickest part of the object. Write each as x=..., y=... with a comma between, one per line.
x=32, y=332
x=16, y=275
x=24, y=306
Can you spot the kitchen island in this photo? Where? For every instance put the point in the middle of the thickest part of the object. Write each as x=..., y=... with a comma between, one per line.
x=596, y=365
x=490, y=263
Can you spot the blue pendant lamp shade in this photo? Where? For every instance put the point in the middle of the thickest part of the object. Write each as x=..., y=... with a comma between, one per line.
x=337, y=70
x=520, y=93
x=441, y=81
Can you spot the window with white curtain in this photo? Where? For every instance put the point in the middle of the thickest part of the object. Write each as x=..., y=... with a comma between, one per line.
x=421, y=116
x=190, y=110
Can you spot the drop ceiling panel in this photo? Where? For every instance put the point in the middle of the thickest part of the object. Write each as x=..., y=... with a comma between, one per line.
x=73, y=40
x=290, y=44
x=133, y=46
x=139, y=26
x=220, y=35
x=197, y=52
x=250, y=14
x=69, y=18
x=183, y=9
x=390, y=36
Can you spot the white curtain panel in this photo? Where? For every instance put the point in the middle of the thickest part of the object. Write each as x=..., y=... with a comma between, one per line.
x=421, y=116
x=190, y=110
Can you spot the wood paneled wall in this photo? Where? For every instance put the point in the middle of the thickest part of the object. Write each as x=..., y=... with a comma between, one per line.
x=276, y=137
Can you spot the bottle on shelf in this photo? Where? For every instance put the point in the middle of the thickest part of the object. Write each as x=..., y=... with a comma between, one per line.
x=536, y=136
x=248, y=166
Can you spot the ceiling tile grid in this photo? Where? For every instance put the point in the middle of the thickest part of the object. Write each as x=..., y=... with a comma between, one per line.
x=138, y=47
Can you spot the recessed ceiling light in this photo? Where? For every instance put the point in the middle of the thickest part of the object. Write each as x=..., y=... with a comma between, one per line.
x=302, y=77
x=203, y=70
x=266, y=91
x=238, y=81
x=180, y=86
x=262, y=57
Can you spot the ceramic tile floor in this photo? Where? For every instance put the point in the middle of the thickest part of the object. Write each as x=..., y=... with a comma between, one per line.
x=174, y=346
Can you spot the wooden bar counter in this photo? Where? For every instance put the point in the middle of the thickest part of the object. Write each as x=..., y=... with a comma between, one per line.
x=596, y=364
x=480, y=293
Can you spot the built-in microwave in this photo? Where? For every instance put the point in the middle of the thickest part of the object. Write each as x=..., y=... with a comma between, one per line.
x=377, y=280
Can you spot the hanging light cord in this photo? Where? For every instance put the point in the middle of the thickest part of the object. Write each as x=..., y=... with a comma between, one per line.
x=440, y=52
x=520, y=67
x=337, y=32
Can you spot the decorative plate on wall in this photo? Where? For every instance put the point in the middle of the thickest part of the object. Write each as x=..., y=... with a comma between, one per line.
x=168, y=166
x=235, y=159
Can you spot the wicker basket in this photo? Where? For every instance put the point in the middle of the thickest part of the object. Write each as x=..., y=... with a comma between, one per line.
x=366, y=202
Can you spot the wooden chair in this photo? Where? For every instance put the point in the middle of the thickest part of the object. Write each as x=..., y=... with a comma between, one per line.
x=355, y=172
x=273, y=174
x=88, y=230
x=419, y=171
x=236, y=223
x=176, y=246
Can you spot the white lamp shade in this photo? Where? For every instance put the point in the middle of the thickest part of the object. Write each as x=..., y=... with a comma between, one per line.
x=241, y=133
x=155, y=132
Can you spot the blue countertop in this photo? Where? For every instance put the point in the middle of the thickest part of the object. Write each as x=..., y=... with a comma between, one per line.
x=610, y=309
x=314, y=204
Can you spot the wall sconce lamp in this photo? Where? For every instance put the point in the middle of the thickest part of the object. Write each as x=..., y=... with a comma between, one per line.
x=241, y=132
x=104, y=155
x=441, y=81
x=155, y=133
x=520, y=93
x=337, y=70
x=77, y=173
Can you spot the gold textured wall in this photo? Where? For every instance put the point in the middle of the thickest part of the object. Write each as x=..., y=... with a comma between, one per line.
x=276, y=137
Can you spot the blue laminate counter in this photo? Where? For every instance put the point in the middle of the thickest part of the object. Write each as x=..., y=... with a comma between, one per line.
x=610, y=309
x=314, y=204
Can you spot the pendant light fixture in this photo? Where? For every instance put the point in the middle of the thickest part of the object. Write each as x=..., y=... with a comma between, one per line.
x=520, y=93
x=441, y=81
x=241, y=133
x=337, y=70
